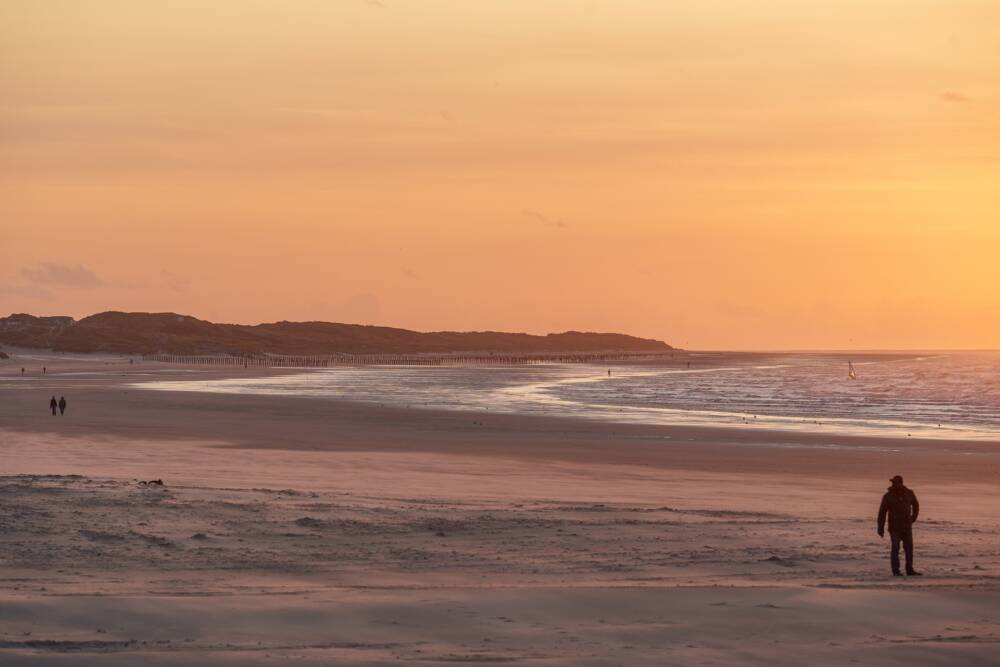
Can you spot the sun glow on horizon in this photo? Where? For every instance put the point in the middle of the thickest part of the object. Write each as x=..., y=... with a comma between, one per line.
x=726, y=174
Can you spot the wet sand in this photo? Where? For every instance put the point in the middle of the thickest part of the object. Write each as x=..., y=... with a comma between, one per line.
x=330, y=532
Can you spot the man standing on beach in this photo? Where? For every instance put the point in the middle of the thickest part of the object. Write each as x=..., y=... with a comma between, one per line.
x=53, y=405
x=900, y=505
x=62, y=405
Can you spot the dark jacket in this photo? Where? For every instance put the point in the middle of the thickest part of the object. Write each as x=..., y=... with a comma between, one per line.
x=901, y=507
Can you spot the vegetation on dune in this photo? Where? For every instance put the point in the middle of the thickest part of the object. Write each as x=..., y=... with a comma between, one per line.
x=182, y=334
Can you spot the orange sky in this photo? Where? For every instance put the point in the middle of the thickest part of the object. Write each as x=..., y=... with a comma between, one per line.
x=718, y=174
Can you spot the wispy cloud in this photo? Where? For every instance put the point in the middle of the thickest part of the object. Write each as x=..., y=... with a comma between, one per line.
x=408, y=273
x=173, y=281
x=544, y=219
x=32, y=292
x=951, y=96
x=62, y=275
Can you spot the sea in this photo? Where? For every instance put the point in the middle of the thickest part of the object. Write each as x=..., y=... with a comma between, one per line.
x=940, y=395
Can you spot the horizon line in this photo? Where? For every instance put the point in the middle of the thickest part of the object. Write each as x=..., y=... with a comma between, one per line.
x=674, y=346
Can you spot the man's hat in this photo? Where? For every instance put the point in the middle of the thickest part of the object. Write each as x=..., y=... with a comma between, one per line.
x=897, y=478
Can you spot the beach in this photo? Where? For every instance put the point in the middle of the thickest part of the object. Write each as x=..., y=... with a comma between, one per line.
x=328, y=531
x=547, y=334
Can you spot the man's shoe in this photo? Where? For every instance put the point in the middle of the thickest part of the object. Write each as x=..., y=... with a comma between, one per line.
x=914, y=573
x=897, y=574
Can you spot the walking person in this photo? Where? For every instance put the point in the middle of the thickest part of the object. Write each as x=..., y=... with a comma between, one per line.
x=53, y=405
x=62, y=405
x=899, y=504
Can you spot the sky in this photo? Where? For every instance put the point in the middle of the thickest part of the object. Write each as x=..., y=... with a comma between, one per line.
x=720, y=174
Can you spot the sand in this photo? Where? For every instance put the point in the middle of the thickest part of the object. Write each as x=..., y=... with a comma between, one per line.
x=321, y=532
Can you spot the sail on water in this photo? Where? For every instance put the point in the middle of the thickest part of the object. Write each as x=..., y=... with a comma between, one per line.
x=850, y=371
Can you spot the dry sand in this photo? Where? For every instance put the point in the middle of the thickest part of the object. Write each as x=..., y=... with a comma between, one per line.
x=318, y=532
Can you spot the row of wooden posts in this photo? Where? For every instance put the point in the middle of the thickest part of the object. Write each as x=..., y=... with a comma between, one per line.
x=326, y=361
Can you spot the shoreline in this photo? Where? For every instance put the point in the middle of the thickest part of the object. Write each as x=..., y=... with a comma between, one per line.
x=829, y=432
x=110, y=408
x=328, y=532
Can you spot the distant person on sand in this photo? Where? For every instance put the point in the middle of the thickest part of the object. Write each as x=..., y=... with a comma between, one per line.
x=53, y=404
x=900, y=505
x=62, y=405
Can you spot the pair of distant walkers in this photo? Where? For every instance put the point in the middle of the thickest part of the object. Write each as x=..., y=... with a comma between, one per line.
x=900, y=505
x=61, y=404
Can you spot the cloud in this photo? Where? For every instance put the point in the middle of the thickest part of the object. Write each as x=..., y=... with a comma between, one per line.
x=62, y=275
x=173, y=281
x=951, y=96
x=32, y=292
x=545, y=220
x=408, y=273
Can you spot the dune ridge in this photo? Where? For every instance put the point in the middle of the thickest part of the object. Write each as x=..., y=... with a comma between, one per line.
x=171, y=333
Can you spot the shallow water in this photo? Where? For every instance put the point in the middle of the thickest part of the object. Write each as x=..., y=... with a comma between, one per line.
x=942, y=396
